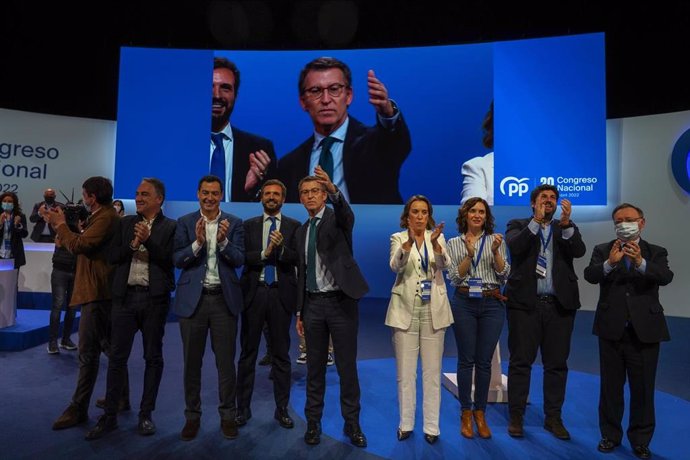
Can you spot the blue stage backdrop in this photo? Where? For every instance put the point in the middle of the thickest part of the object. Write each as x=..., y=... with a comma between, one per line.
x=550, y=111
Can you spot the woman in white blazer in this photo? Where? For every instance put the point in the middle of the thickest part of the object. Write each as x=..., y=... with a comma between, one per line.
x=419, y=313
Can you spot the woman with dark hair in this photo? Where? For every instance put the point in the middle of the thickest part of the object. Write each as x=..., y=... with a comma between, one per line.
x=419, y=313
x=478, y=268
x=119, y=207
x=478, y=172
x=13, y=229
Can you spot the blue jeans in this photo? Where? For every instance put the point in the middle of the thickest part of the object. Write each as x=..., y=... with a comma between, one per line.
x=477, y=327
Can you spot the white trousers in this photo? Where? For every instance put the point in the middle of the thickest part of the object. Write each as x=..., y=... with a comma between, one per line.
x=420, y=338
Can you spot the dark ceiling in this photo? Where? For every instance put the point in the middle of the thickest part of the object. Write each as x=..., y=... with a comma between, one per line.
x=62, y=58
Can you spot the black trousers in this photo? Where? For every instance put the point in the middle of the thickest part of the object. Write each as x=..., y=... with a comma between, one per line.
x=338, y=317
x=265, y=308
x=94, y=338
x=618, y=358
x=211, y=315
x=136, y=312
x=548, y=329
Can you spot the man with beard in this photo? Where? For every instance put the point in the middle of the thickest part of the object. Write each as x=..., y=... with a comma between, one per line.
x=630, y=324
x=353, y=155
x=240, y=159
x=269, y=286
x=209, y=246
x=542, y=300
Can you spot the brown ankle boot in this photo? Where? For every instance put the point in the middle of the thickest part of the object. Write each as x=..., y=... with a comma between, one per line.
x=482, y=428
x=466, y=423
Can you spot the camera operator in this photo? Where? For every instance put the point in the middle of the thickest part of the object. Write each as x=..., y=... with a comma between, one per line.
x=91, y=288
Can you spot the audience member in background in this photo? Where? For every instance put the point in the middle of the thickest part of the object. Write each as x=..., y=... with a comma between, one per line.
x=41, y=232
x=119, y=207
x=478, y=269
x=61, y=287
x=419, y=313
x=13, y=223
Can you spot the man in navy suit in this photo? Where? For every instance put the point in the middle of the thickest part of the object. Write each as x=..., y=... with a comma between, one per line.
x=630, y=324
x=330, y=285
x=242, y=160
x=209, y=246
x=353, y=155
x=269, y=285
x=542, y=300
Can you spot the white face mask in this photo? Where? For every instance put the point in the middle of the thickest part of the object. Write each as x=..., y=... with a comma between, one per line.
x=626, y=231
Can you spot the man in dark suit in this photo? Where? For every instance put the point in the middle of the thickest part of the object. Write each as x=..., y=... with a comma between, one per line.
x=242, y=160
x=269, y=286
x=209, y=246
x=43, y=233
x=542, y=300
x=329, y=286
x=352, y=154
x=630, y=324
x=141, y=252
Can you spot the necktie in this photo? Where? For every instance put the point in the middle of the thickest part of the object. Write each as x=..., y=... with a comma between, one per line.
x=218, y=157
x=269, y=268
x=311, y=256
x=326, y=157
x=627, y=262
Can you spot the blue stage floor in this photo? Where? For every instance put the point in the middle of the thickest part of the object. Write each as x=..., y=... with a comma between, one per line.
x=36, y=387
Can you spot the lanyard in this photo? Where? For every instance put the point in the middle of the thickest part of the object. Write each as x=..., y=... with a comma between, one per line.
x=424, y=258
x=479, y=255
x=545, y=242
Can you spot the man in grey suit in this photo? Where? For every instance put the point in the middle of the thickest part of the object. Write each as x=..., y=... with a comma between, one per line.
x=209, y=246
x=329, y=286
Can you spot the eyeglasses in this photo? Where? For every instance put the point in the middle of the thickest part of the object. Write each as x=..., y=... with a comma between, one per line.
x=627, y=220
x=310, y=191
x=316, y=92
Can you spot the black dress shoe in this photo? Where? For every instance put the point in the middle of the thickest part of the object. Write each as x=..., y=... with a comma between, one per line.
x=266, y=360
x=284, y=419
x=190, y=429
x=430, y=438
x=515, y=429
x=313, y=434
x=105, y=424
x=402, y=435
x=72, y=416
x=555, y=426
x=243, y=416
x=354, y=432
x=642, y=452
x=606, y=445
x=146, y=427
x=229, y=428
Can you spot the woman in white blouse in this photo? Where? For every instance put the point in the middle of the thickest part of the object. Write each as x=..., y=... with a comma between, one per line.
x=419, y=313
x=478, y=268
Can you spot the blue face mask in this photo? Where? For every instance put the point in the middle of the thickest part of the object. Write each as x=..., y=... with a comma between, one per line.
x=7, y=207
